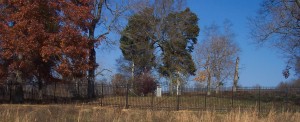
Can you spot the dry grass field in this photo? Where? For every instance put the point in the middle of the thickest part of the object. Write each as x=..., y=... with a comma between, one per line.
x=94, y=113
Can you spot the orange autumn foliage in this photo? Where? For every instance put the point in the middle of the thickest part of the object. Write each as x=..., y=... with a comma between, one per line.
x=43, y=38
x=201, y=76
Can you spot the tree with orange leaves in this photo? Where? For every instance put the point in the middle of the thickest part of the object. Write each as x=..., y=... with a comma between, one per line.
x=43, y=40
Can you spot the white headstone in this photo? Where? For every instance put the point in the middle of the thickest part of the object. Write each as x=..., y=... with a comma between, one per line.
x=158, y=91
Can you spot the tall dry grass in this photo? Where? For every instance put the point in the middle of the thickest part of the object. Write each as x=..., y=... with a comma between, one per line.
x=93, y=113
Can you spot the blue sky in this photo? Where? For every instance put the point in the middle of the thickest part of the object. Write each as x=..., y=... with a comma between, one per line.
x=259, y=65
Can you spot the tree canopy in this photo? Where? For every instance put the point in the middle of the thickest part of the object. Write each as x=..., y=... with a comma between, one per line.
x=44, y=39
x=278, y=24
x=136, y=45
x=174, y=39
x=181, y=31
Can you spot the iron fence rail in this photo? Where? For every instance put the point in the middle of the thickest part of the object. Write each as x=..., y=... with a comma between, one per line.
x=191, y=98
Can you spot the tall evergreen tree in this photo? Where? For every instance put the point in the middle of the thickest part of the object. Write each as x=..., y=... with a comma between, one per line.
x=173, y=36
x=181, y=30
x=136, y=45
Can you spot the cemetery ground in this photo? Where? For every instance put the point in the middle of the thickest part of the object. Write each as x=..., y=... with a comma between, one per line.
x=122, y=104
x=96, y=113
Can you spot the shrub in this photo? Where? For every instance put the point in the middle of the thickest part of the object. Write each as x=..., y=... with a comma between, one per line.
x=144, y=84
x=119, y=82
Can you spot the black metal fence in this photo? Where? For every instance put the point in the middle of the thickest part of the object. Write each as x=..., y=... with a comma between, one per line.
x=191, y=98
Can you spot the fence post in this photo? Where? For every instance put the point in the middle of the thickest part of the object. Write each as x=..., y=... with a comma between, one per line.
x=10, y=90
x=177, y=107
x=286, y=98
x=259, y=99
x=126, y=102
x=32, y=93
x=232, y=95
x=205, y=98
x=152, y=100
x=102, y=95
x=78, y=89
x=55, y=100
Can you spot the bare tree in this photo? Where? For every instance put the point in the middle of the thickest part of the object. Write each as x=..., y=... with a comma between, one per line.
x=215, y=56
x=278, y=24
x=106, y=16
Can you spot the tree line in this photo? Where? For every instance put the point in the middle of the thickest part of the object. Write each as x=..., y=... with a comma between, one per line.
x=43, y=41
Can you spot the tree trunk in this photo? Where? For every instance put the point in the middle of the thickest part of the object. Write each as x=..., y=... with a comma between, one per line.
x=236, y=74
x=208, y=84
x=40, y=85
x=209, y=77
x=218, y=84
x=91, y=74
x=178, y=85
x=92, y=58
x=18, y=94
x=177, y=88
x=217, y=89
x=92, y=62
x=171, y=87
x=132, y=74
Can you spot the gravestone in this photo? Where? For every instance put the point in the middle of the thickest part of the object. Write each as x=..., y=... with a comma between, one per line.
x=158, y=91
